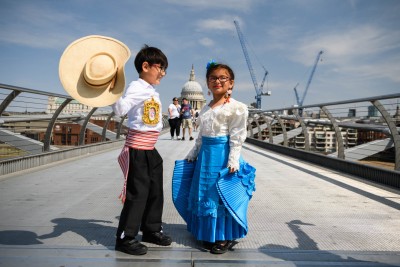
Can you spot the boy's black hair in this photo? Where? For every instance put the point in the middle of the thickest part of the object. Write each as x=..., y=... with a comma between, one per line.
x=220, y=66
x=152, y=55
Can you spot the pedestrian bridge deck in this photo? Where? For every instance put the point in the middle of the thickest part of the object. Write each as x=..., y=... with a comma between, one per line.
x=66, y=214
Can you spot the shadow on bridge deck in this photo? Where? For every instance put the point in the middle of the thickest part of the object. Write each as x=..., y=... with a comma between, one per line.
x=66, y=214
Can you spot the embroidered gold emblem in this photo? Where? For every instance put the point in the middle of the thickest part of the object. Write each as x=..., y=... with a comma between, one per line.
x=151, y=112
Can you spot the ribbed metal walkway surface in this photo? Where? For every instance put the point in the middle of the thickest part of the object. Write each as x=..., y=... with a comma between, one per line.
x=300, y=215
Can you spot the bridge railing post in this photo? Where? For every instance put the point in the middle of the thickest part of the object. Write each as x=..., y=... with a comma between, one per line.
x=393, y=131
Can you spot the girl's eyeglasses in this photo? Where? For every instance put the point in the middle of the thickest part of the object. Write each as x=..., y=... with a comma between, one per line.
x=222, y=79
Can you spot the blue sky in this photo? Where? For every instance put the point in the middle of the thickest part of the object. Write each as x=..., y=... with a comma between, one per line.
x=360, y=40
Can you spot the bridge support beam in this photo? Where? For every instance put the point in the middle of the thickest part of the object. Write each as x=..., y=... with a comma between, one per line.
x=104, y=133
x=338, y=133
x=120, y=127
x=280, y=121
x=270, y=134
x=84, y=125
x=47, y=137
x=304, y=130
x=8, y=100
x=393, y=131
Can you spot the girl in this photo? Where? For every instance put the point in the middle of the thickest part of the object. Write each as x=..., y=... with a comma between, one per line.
x=213, y=199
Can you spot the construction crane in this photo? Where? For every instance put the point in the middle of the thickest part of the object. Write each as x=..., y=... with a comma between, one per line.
x=298, y=100
x=259, y=90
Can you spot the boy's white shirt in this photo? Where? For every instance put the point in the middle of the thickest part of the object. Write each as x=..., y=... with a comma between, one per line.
x=132, y=103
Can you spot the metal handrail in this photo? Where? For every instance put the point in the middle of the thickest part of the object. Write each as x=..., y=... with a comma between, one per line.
x=337, y=123
x=265, y=125
x=10, y=120
x=334, y=103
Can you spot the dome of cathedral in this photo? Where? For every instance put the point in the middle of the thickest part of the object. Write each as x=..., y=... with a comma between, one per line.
x=193, y=92
x=192, y=86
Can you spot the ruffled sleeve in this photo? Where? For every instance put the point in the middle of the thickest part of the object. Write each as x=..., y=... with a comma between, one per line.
x=237, y=122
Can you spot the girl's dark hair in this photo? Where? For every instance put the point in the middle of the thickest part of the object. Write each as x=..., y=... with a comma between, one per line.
x=220, y=66
x=152, y=55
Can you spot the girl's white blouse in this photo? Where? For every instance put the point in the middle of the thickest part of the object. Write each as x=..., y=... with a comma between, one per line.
x=227, y=119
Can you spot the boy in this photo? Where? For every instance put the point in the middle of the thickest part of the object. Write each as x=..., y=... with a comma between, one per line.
x=140, y=162
x=187, y=114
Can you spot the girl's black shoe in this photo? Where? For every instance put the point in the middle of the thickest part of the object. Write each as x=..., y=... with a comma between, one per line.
x=208, y=245
x=220, y=247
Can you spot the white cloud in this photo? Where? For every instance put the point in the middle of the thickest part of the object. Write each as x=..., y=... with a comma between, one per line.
x=363, y=51
x=386, y=68
x=206, y=42
x=225, y=23
x=356, y=42
x=36, y=26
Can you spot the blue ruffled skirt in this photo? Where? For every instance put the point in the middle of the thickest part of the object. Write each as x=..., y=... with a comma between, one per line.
x=213, y=202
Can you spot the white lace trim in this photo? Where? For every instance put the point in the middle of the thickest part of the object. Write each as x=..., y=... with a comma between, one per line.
x=228, y=119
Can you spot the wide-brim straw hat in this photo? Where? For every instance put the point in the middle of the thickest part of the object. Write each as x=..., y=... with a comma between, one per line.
x=91, y=70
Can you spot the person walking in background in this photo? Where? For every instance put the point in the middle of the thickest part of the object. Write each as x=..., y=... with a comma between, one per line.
x=142, y=165
x=195, y=125
x=187, y=114
x=174, y=120
x=213, y=201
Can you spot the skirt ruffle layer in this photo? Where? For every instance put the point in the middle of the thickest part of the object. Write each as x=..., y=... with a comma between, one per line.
x=197, y=197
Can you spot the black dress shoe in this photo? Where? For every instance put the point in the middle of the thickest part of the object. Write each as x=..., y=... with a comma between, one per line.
x=130, y=246
x=158, y=238
x=208, y=245
x=220, y=247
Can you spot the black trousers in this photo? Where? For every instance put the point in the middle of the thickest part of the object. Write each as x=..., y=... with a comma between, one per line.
x=144, y=202
x=175, y=126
